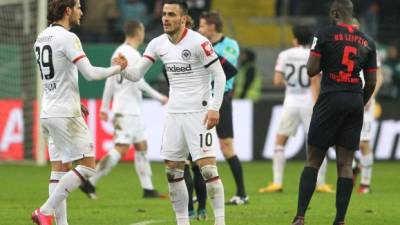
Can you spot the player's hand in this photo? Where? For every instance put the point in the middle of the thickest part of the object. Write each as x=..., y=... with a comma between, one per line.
x=211, y=119
x=104, y=116
x=84, y=111
x=368, y=105
x=164, y=100
x=121, y=61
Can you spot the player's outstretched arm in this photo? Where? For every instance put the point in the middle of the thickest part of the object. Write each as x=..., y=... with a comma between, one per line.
x=98, y=73
x=137, y=72
x=144, y=86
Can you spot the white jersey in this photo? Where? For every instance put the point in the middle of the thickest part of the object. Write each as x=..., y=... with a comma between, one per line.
x=292, y=63
x=126, y=95
x=57, y=49
x=185, y=64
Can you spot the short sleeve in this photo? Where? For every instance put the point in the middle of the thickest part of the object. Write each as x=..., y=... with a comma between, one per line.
x=73, y=48
x=371, y=63
x=151, y=50
x=206, y=53
x=317, y=44
x=280, y=63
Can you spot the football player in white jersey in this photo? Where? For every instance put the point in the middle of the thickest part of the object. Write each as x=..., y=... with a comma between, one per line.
x=192, y=111
x=128, y=126
x=59, y=55
x=367, y=155
x=300, y=96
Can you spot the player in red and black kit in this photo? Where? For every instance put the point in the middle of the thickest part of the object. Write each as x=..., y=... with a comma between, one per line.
x=341, y=52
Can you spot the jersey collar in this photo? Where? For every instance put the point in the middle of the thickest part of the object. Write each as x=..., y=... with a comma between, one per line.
x=219, y=41
x=56, y=25
x=183, y=35
x=349, y=27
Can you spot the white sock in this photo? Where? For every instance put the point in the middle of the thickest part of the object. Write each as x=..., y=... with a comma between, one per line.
x=366, y=162
x=143, y=170
x=321, y=179
x=179, y=195
x=68, y=183
x=105, y=165
x=215, y=191
x=278, y=164
x=60, y=213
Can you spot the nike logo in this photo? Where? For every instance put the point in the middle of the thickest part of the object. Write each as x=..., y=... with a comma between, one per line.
x=161, y=55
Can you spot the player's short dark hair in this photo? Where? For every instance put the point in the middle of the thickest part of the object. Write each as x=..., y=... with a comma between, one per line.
x=344, y=8
x=57, y=8
x=303, y=34
x=132, y=27
x=215, y=18
x=182, y=4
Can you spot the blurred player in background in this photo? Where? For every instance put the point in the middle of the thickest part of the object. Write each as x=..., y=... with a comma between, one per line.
x=367, y=155
x=59, y=55
x=341, y=52
x=192, y=112
x=211, y=27
x=128, y=125
x=300, y=96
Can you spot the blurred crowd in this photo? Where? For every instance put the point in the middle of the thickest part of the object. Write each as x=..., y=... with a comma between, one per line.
x=103, y=20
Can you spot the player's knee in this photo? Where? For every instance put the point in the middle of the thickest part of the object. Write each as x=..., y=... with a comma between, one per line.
x=174, y=174
x=84, y=171
x=209, y=172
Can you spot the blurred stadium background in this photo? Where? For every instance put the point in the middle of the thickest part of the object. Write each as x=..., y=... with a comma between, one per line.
x=260, y=26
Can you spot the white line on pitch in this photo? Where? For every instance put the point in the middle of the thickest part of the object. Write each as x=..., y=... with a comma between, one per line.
x=147, y=222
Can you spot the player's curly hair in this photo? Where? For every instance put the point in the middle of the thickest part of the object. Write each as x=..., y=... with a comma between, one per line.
x=56, y=9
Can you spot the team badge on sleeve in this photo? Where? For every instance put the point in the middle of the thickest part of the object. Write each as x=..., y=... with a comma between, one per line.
x=207, y=47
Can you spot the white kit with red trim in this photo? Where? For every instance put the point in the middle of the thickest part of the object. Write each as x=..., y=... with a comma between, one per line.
x=57, y=50
x=186, y=65
x=292, y=63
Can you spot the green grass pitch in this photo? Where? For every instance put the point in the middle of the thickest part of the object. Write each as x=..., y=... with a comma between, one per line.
x=24, y=187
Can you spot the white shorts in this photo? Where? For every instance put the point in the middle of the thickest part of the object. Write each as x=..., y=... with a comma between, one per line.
x=69, y=138
x=128, y=129
x=184, y=133
x=366, y=131
x=291, y=119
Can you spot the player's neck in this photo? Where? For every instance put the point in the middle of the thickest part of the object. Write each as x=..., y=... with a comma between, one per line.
x=133, y=42
x=216, y=37
x=64, y=23
x=345, y=21
x=178, y=36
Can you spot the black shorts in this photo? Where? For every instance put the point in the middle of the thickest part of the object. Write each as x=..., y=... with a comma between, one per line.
x=225, y=125
x=337, y=120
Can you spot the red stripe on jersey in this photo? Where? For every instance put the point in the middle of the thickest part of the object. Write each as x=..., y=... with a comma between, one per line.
x=349, y=27
x=223, y=60
x=78, y=58
x=370, y=70
x=183, y=35
x=149, y=57
x=316, y=54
